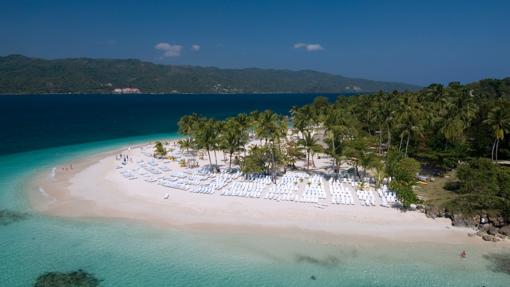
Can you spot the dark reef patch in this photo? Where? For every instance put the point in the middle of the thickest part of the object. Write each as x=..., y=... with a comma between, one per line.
x=78, y=278
x=329, y=261
x=8, y=216
x=499, y=262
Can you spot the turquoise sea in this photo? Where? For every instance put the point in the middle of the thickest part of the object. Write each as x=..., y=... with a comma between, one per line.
x=39, y=132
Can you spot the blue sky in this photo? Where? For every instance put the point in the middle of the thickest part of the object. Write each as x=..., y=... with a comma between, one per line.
x=410, y=41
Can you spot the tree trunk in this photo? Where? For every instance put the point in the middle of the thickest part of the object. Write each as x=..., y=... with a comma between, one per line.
x=215, y=158
x=307, y=160
x=333, y=152
x=230, y=162
x=493, y=148
x=273, y=177
x=210, y=160
x=497, y=148
x=380, y=140
x=337, y=167
x=389, y=138
x=407, y=143
x=401, y=140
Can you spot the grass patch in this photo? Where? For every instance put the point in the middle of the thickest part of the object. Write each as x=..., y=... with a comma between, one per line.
x=434, y=194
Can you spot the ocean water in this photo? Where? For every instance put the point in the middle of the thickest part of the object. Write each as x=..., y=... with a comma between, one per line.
x=39, y=132
x=31, y=122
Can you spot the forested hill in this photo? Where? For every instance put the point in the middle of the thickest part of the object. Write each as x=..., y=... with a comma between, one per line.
x=20, y=74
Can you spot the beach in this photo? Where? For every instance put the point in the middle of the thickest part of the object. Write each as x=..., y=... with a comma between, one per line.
x=95, y=188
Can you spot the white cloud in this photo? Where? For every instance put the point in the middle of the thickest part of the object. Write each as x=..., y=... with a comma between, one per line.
x=195, y=47
x=169, y=50
x=308, y=47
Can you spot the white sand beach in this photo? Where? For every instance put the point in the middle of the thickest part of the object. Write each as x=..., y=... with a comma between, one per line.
x=100, y=186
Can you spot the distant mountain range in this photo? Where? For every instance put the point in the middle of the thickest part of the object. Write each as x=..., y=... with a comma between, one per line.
x=20, y=74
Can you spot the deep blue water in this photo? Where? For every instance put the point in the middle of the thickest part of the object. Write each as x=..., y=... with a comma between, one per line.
x=29, y=122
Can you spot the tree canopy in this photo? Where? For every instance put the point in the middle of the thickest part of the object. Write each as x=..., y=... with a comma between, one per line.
x=382, y=135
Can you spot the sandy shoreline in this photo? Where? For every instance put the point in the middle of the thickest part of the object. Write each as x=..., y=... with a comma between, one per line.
x=95, y=189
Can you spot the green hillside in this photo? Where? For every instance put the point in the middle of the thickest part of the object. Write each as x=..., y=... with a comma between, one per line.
x=20, y=74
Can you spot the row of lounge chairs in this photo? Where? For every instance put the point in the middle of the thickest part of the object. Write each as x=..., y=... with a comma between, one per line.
x=245, y=189
x=314, y=190
x=339, y=193
x=388, y=197
x=203, y=181
x=366, y=197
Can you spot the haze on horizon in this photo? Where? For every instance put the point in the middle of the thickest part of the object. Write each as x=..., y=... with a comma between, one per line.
x=403, y=41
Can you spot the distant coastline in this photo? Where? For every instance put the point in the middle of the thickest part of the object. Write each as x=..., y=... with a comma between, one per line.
x=179, y=93
x=21, y=74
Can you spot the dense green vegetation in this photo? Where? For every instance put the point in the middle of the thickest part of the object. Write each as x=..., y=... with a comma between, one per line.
x=403, y=171
x=19, y=74
x=395, y=135
x=481, y=185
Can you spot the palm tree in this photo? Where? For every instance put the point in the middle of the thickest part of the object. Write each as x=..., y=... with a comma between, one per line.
x=159, y=149
x=410, y=119
x=453, y=130
x=293, y=152
x=265, y=125
x=366, y=160
x=379, y=167
x=319, y=107
x=218, y=126
x=206, y=136
x=310, y=144
x=499, y=121
x=389, y=116
x=456, y=111
x=271, y=127
x=244, y=121
x=358, y=152
x=434, y=93
x=383, y=116
x=186, y=143
x=302, y=118
x=232, y=137
x=186, y=124
x=338, y=126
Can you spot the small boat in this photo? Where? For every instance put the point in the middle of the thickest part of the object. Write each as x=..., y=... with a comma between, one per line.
x=166, y=196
